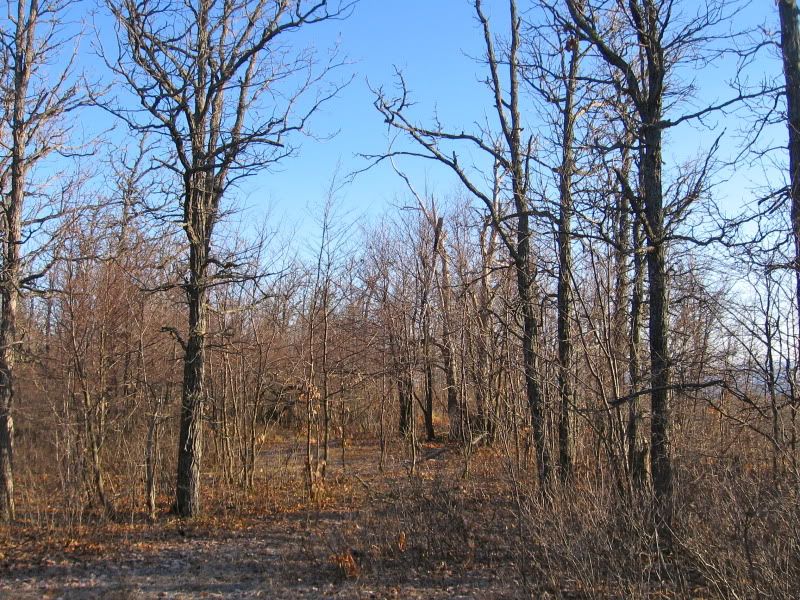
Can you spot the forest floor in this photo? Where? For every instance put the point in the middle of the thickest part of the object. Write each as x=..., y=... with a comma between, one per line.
x=370, y=534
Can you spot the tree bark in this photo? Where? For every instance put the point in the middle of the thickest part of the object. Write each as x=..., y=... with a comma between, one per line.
x=790, y=50
x=636, y=456
x=566, y=390
x=523, y=262
x=190, y=442
x=24, y=35
x=405, y=392
x=454, y=414
x=660, y=410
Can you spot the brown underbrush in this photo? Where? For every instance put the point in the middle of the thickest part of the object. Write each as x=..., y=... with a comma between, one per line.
x=433, y=532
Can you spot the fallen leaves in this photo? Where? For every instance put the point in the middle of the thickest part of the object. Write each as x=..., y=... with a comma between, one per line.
x=346, y=564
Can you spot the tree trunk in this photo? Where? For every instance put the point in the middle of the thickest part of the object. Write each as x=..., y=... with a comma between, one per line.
x=523, y=263
x=427, y=265
x=190, y=438
x=660, y=425
x=151, y=458
x=7, y=336
x=566, y=391
x=790, y=47
x=430, y=433
x=487, y=391
x=454, y=415
x=636, y=454
x=10, y=273
x=8, y=330
x=533, y=390
x=325, y=393
x=405, y=392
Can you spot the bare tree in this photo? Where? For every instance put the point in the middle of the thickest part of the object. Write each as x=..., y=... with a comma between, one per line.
x=643, y=42
x=790, y=50
x=447, y=345
x=216, y=82
x=553, y=73
x=510, y=153
x=33, y=105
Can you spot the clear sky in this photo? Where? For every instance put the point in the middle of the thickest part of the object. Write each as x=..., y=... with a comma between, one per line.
x=430, y=42
x=433, y=42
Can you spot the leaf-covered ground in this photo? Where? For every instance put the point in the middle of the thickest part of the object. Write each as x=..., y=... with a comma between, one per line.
x=373, y=535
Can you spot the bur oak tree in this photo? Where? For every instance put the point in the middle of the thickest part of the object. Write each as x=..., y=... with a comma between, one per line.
x=221, y=85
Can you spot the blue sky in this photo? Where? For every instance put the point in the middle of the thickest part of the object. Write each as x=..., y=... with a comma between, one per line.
x=432, y=42
x=429, y=42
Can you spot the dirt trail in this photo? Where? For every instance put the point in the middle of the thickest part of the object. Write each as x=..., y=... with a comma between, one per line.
x=290, y=554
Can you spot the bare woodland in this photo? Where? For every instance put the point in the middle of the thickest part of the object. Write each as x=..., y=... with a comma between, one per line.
x=574, y=376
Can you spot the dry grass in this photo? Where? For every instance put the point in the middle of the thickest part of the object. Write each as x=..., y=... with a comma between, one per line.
x=433, y=534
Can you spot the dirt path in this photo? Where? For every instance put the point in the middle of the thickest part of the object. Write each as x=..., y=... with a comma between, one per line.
x=334, y=552
x=279, y=558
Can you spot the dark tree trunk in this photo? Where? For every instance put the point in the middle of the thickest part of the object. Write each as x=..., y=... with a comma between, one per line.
x=405, y=386
x=523, y=264
x=190, y=443
x=660, y=425
x=566, y=390
x=530, y=354
x=430, y=433
x=790, y=47
x=405, y=392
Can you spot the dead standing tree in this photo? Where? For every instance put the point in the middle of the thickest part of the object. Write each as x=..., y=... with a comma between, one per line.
x=216, y=80
x=510, y=153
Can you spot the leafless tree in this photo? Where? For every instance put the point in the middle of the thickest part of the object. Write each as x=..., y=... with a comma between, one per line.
x=34, y=105
x=510, y=154
x=643, y=42
x=790, y=50
x=207, y=78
